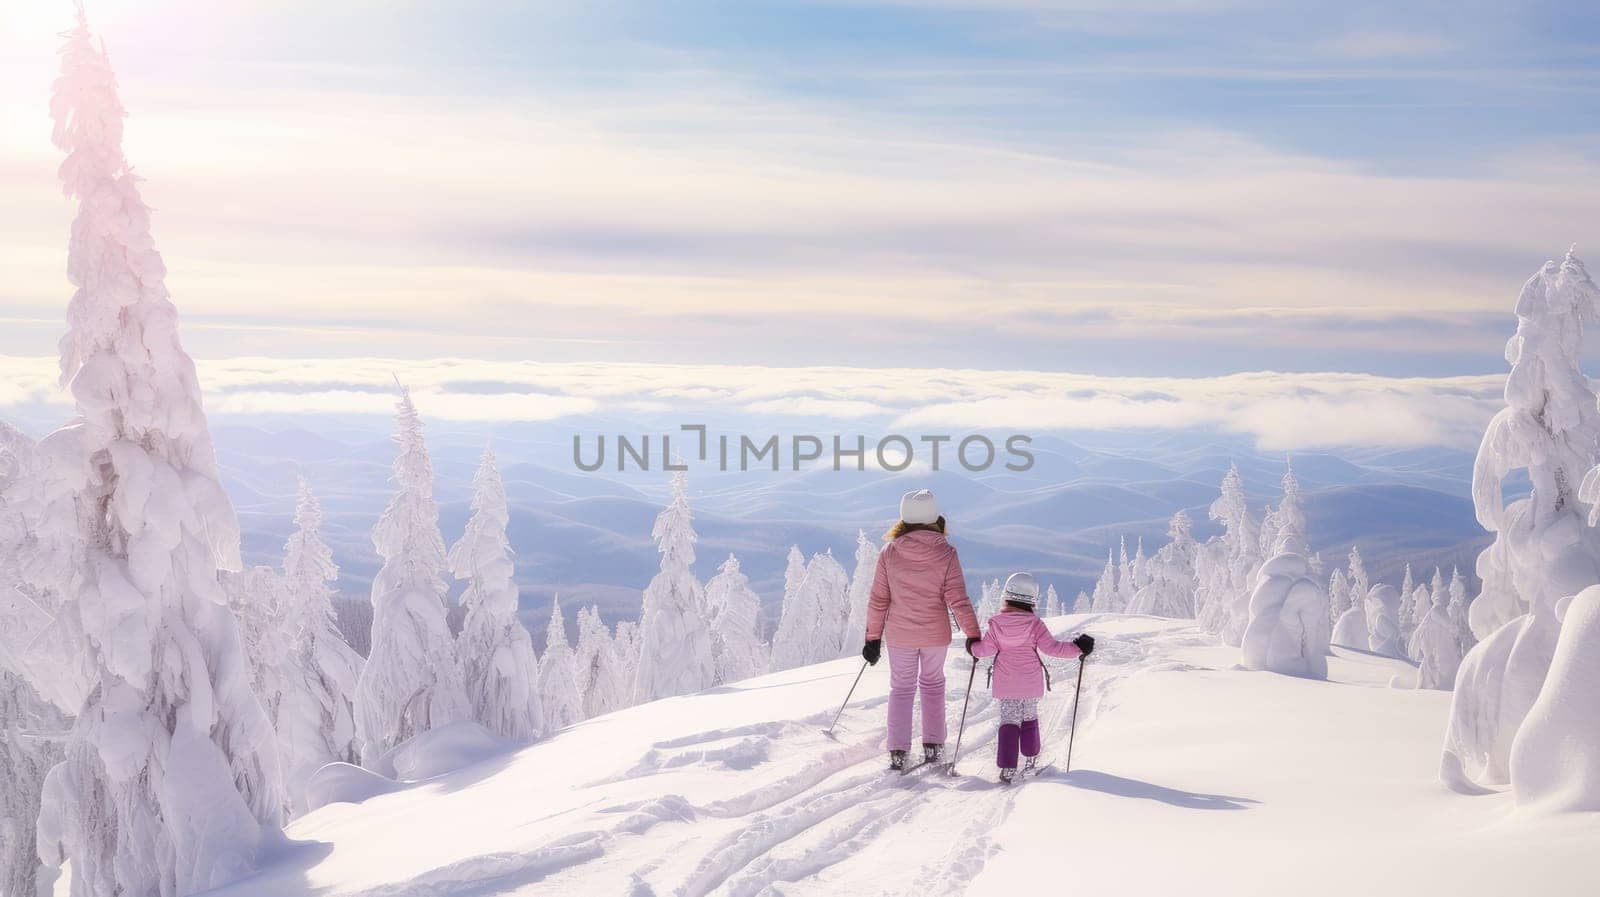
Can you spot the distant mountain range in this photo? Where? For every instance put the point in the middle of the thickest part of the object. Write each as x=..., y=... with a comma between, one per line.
x=586, y=535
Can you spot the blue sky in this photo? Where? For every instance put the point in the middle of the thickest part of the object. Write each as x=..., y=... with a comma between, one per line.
x=1147, y=188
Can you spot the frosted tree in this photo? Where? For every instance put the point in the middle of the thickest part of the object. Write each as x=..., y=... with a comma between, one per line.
x=601, y=671
x=1227, y=609
x=1126, y=586
x=499, y=669
x=1140, y=568
x=315, y=716
x=1459, y=604
x=558, y=674
x=1338, y=595
x=794, y=573
x=1171, y=587
x=1383, y=621
x=1052, y=602
x=1288, y=516
x=1434, y=645
x=810, y=629
x=1083, y=603
x=1408, y=594
x=675, y=640
x=1106, y=599
x=1542, y=552
x=411, y=682
x=1360, y=584
x=626, y=640
x=169, y=775
x=989, y=602
x=259, y=600
x=31, y=732
x=1288, y=630
x=736, y=646
x=860, y=589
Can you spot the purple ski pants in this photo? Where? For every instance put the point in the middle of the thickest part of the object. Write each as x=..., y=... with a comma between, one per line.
x=912, y=670
x=1019, y=730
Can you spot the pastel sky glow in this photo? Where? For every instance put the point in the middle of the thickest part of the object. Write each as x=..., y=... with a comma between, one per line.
x=1163, y=189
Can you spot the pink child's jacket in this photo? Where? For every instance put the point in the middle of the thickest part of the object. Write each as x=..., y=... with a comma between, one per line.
x=916, y=587
x=1015, y=636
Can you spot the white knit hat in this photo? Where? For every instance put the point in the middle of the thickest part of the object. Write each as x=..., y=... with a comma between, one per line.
x=919, y=507
x=1022, y=588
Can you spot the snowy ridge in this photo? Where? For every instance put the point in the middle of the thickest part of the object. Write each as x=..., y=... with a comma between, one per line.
x=736, y=791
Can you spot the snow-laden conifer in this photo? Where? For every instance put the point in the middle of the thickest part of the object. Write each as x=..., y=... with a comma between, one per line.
x=499, y=669
x=558, y=674
x=411, y=681
x=736, y=644
x=674, y=635
x=169, y=779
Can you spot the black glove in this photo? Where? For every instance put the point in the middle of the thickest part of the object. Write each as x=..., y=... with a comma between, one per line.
x=1085, y=644
x=872, y=650
x=972, y=640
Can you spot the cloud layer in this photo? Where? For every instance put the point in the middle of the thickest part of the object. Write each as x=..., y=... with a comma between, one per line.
x=1277, y=411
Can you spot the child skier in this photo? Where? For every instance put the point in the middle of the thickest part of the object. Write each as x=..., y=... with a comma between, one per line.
x=1016, y=638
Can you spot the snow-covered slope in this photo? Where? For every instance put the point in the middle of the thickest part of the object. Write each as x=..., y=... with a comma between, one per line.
x=1191, y=776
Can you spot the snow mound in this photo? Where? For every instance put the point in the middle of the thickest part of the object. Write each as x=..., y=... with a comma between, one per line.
x=1555, y=760
x=444, y=750
x=345, y=783
x=1351, y=630
x=1288, y=630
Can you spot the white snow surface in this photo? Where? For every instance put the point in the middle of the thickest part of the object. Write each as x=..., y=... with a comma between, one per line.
x=1181, y=758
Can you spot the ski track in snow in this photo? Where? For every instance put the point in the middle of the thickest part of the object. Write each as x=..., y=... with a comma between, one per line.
x=821, y=805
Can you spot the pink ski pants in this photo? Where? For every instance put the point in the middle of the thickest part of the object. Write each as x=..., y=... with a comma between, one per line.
x=912, y=670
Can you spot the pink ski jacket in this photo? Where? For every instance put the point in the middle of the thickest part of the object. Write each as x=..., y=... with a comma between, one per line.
x=916, y=587
x=1019, y=638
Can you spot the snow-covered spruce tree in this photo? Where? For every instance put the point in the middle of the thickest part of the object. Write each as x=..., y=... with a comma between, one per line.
x=736, y=646
x=1555, y=758
x=1434, y=646
x=1083, y=603
x=860, y=589
x=601, y=671
x=1288, y=630
x=558, y=674
x=411, y=682
x=1459, y=613
x=794, y=573
x=1338, y=595
x=989, y=602
x=169, y=774
x=1543, y=552
x=31, y=732
x=1350, y=629
x=809, y=631
x=498, y=667
x=1170, y=591
x=1383, y=621
x=1228, y=606
x=1052, y=602
x=1141, y=568
x=674, y=638
x=316, y=715
x=1126, y=588
x=1408, y=589
x=1106, y=597
x=1288, y=516
x=259, y=599
x=629, y=647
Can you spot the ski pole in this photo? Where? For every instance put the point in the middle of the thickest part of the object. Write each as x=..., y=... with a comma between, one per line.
x=1073, y=734
x=964, y=702
x=848, y=695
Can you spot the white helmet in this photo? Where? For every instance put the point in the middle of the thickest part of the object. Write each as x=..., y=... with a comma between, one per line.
x=1022, y=588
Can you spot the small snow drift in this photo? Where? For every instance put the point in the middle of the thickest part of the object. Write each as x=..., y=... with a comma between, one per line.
x=1555, y=760
x=1288, y=629
x=443, y=750
x=345, y=783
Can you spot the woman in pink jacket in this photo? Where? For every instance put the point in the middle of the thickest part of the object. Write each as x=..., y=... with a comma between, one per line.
x=1015, y=639
x=917, y=585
